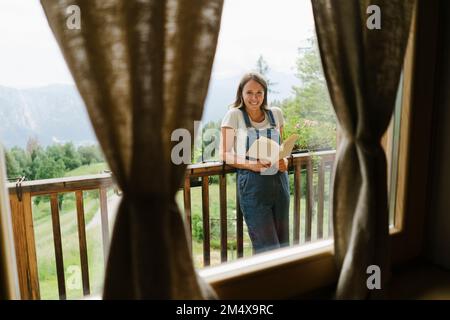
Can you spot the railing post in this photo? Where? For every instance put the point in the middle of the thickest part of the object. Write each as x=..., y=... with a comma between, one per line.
x=82, y=243
x=187, y=207
x=330, y=191
x=22, y=221
x=297, y=200
x=223, y=218
x=56, y=226
x=205, y=209
x=105, y=222
x=320, y=201
x=239, y=224
x=309, y=199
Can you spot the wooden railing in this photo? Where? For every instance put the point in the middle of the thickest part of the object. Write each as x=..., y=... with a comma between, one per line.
x=297, y=163
x=23, y=229
x=22, y=216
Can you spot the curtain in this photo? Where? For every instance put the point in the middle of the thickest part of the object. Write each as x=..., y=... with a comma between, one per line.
x=142, y=68
x=9, y=282
x=362, y=67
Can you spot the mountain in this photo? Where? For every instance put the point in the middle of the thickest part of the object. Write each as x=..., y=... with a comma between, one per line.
x=56, y=113
x=53, y=113
x=222, y=93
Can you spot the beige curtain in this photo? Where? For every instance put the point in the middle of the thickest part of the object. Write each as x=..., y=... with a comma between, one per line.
x=142, y=68
x=9, y=282
x=362, y=68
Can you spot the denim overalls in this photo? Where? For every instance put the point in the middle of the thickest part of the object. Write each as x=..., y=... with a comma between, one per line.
x=264, y=199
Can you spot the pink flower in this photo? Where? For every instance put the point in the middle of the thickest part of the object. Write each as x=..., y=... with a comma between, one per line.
x=310, y=123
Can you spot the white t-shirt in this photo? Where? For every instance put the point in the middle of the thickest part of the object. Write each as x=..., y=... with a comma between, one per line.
x=235, y=119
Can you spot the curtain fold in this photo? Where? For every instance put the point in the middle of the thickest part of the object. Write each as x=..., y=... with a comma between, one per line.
x=362, y=67
x=143, y=68
x=9, y=282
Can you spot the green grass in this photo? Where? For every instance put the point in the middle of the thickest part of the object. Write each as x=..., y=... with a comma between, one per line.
x=71, y=255
x=88, y=169
x=45, y=251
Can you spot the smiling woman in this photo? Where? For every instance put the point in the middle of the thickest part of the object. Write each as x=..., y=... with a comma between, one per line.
x=221, y=230
x=263, y=188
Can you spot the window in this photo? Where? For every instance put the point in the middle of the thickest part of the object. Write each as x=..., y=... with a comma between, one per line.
x=300, y=270
x=48, y=139
x=263, y=41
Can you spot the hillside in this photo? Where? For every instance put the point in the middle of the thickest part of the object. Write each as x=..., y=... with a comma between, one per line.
x=56, y=113
x=53, y=113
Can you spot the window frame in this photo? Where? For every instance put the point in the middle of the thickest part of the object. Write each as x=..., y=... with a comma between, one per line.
x=291, y=272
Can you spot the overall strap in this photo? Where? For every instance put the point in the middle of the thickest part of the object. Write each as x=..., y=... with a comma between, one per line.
x=248, y=125
x=247, y=145
x=272, y=124
x=246, y=117
x=271, y=119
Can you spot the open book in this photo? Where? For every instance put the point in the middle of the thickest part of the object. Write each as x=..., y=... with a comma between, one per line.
x=266, y=149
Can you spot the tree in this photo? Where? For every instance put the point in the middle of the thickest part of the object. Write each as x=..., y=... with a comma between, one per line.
x=13, y=169
x=263, y=68
x=205, y=149
x=56, y=152
x=309, y=112
x=312, y=94
x=90, y=154
x=35, y=156
x=23, y=159
x=32, y=144
x=72, y=159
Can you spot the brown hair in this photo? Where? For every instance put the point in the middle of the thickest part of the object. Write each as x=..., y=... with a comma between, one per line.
x=246, y=78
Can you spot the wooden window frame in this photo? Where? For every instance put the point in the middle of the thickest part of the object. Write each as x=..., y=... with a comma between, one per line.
x=292, y=272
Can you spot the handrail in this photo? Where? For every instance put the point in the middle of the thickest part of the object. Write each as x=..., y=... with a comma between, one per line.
x=87, y=182
x=23, y=228
x=23, y=220
x=66, y=184
x=216, y=167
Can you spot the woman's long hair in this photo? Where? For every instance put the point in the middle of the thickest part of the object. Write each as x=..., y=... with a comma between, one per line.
x=246, y=78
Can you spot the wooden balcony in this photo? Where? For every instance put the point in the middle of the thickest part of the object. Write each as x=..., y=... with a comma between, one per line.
x=312, y=167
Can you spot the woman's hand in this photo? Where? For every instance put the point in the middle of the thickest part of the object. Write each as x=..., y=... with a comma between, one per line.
x=283, y=165
x=258, y=166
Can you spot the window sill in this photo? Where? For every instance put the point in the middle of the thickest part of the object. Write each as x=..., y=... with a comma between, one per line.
x=281, y=274
x=303, y=268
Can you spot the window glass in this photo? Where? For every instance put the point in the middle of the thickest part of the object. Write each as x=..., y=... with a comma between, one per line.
x=276, y=39
x=46, y=134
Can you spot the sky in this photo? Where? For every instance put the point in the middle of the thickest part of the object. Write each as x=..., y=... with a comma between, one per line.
x=30, y=57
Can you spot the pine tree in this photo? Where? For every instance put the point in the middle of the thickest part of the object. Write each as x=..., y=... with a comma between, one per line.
x=262, y=68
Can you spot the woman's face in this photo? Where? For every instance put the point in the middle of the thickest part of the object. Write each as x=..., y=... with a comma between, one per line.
x=253, y=95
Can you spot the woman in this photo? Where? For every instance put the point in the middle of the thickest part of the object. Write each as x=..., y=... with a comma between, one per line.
x=263, y=192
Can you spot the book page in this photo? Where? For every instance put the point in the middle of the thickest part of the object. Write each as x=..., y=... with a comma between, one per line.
x=268, y=150
x=287, y=146
x=264, y=149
